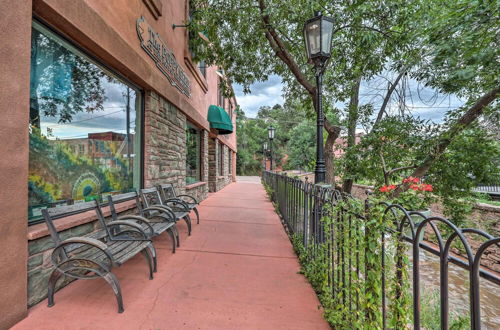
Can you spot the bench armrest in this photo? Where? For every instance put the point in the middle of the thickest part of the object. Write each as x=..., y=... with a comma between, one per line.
x=193, y=200
x=162, y=209
x=133, y=227
x=138, y=219
x=177, y=203
x=80, y=240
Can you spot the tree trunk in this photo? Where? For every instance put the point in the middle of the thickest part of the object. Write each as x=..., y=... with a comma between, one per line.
x=329, y=156
x=351, y=136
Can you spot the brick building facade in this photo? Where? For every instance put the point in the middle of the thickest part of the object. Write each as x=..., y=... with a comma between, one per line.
x=98, y=98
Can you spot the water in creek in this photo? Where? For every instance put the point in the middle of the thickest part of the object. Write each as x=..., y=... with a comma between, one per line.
x=459, y=290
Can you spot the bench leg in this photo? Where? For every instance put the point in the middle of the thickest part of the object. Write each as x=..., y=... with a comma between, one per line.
x=152, y=249
x=188, y=222
x=172, y=235
x=115, y=285
x=147, y=254
x=177, y=235
x=197, y=215
x=56, y=274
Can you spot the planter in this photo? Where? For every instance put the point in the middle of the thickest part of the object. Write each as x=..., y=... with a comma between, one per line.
x=417, y=219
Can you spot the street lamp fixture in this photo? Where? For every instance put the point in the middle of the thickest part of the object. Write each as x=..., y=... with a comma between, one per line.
x=271, y=131
x=264, y=154
x=318, y=37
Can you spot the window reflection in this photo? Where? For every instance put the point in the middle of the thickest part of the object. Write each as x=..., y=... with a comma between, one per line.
x=192, y=155
x=84, y=139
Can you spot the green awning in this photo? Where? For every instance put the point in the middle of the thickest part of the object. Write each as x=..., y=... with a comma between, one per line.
x=219, y=119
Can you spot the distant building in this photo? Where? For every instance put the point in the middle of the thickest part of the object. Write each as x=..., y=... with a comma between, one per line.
x=341, y=144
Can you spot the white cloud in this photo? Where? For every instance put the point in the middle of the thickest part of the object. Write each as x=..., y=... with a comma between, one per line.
x=267, y=93
x=423, y=101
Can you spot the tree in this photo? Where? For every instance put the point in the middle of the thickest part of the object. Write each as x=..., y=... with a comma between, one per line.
x=449, y=46
x=251, y=134
x=301, y=148
x=252, y=40
x=62, y=83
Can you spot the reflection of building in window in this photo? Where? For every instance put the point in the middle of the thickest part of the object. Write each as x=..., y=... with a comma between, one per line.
x=104, y=149
x=193, y=173
x=89, y=149
x=229, y=161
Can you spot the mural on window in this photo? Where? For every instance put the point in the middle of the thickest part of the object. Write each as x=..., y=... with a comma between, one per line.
x=84, y=139
x=192, y=155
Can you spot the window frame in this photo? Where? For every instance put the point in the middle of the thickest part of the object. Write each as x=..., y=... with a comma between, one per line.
x=199, y=178
x=221, y=158
x=79, y=50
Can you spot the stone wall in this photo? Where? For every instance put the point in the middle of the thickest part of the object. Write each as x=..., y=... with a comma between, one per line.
x=165, y=142
x=212, y=165
x=216, y=181
x=225, y=179
x=200, y=190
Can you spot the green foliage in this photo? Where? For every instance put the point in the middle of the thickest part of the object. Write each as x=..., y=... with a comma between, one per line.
x=461, y=46
x=301, y=147
x=251, y=135
x=448, y=45
x=346, y=269
x=430, y=315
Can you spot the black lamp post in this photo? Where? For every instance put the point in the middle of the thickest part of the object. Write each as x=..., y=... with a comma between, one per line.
x=264, y=154
x=318, y=37
x=271, y=130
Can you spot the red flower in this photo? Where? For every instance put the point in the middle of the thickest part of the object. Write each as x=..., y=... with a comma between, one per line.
x=387, y=188
x=411, y=179
x=427, y=187
x=414, y=187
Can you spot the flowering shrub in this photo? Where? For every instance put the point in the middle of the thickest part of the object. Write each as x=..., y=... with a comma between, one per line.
x=417, y=197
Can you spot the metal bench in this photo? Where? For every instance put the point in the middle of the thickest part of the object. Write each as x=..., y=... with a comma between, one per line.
x=149, y=225
x=152, y=200
x=167, y=192
x=95, y=255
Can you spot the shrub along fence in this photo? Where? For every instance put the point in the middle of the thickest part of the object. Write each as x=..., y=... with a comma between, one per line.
x=358, y=255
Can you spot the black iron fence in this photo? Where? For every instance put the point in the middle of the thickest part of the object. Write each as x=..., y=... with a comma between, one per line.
x=364, y=260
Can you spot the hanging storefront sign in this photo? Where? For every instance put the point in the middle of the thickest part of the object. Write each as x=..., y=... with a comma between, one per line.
x=163, y=56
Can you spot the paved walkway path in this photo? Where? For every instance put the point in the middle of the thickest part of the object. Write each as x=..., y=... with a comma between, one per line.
x=236, y=271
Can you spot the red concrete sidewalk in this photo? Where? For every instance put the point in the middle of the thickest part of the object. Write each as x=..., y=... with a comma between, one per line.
x=236, y=271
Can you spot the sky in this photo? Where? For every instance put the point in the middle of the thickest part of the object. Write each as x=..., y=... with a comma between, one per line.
x=423, y=102
x=111, y=118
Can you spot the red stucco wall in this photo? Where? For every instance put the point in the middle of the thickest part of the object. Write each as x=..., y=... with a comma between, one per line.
x=15, y=33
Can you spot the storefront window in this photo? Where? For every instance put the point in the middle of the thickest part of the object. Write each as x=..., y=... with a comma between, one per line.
x=192, y=154
x=229, y=161
x=84, y=127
